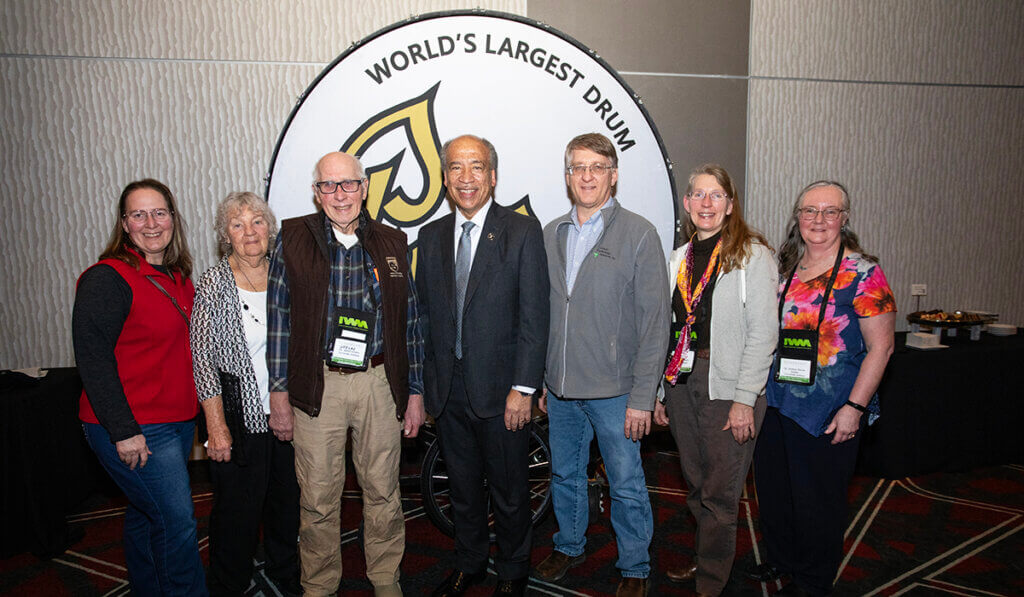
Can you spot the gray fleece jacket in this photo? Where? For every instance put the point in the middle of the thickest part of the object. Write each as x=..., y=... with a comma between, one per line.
x=744, y=325
x=609, y=337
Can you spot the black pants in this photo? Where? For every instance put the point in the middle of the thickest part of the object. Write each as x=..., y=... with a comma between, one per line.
x=474, y=449
x=264, y=490
x=802, y=484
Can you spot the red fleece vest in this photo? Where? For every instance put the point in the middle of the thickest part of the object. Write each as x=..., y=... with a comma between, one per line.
x=154, y=360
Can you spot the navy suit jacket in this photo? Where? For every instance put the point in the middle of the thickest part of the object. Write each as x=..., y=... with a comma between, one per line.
x=505, y=316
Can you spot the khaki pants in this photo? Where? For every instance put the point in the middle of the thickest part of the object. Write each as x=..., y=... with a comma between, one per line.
x=361, y=402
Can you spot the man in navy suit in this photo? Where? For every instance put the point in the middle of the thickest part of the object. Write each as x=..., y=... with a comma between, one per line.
x=483, y=288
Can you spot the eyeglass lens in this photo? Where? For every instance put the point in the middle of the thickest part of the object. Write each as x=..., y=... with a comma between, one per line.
x=141, y=215
x=331, y=186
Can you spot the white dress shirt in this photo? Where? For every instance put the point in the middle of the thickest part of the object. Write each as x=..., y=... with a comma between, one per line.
x=478, y=220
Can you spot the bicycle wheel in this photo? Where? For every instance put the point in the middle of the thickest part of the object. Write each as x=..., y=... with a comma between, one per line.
x=540, y=472
x=435, y=491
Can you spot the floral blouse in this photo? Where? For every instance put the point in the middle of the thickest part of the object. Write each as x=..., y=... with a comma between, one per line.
x=860, y=290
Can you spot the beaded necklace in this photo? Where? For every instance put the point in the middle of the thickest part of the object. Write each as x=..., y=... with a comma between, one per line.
x=690, y=302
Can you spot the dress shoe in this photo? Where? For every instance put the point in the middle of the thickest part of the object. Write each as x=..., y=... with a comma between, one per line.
x=764, y=572
x=457, y=583
x=632, y=587
x=794, y=590
x=556, y=565
x=682, y=574
x=511, y=587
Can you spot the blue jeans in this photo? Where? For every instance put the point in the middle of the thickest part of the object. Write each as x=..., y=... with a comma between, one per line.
x=572, y=425
x=160, y=547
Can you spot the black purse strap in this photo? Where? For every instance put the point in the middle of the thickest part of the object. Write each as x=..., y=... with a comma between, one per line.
x=173, y=300
x=824, y=299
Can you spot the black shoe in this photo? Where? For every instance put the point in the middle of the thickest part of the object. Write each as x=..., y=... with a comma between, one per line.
x=764, y=573
x=457, y=583
x=794, y=590
x=511, y=587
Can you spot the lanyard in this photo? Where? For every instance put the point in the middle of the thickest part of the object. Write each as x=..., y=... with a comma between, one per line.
x=683, y=279
x=173, y=300
x=824, y=299
x=681, y=360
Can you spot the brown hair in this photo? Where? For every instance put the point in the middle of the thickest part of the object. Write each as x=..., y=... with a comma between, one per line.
x=595, y=142
x=737, y=236
x=792, y=249
x=176, y=257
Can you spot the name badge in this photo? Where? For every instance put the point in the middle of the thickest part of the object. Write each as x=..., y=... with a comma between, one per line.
x=351, y=338
x=794, y=370
x=687, y=362
x=796, y=358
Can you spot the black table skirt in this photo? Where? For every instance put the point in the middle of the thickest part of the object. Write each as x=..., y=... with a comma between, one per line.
x=47, y=467
x=950, y=410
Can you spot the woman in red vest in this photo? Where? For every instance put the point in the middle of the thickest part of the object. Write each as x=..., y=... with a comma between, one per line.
x=138, y=407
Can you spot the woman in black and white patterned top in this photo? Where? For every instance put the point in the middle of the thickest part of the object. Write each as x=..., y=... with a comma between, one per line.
x=253, y=472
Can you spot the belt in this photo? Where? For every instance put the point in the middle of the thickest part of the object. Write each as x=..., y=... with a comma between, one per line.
x=375, y=361
x=703, y=353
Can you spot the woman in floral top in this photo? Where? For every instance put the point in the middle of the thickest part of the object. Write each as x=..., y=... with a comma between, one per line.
x=808, y=445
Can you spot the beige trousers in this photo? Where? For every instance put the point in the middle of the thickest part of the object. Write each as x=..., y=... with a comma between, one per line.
x=361, y=402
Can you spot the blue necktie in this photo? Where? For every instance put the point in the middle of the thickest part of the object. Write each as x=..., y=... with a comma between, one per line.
x=462, y=259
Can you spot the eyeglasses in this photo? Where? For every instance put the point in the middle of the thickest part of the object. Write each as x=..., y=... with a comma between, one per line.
x=139, y=216
x=595, y=169
x=330, y=186
x=716, y=196
x=831, y=214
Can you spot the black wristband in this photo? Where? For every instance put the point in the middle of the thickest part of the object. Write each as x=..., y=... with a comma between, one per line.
x=862, y=409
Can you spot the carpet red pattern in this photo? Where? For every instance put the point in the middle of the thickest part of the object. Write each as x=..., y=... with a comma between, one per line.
x=952, y=534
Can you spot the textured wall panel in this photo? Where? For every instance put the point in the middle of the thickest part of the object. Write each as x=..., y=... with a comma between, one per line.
x=192, y=92
x=75, y=131
x=700, y=120
x=947, y=41
x=657, y=45
x=934, y=174
x=664, y=36
x=271, y=30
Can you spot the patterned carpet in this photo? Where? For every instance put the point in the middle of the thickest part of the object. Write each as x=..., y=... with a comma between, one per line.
x=955, y=534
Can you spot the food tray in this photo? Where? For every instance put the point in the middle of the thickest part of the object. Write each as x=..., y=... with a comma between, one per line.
x=982, y=319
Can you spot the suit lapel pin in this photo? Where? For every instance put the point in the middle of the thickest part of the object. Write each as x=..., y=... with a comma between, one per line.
x=490, y=236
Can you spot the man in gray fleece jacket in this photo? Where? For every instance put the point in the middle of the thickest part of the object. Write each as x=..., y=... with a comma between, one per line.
x=606, y=352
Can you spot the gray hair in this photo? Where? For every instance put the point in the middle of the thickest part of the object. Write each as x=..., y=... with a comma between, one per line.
x=234, y=203
x=492, y=153
x=792, y=249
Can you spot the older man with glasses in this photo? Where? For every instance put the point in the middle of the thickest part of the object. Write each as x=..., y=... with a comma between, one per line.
x=345, y=352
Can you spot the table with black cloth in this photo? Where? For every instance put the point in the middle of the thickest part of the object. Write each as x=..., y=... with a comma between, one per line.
x=47, y=467
x=950, y=409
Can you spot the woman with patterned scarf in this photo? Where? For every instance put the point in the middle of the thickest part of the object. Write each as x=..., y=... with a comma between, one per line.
x=723, y=299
